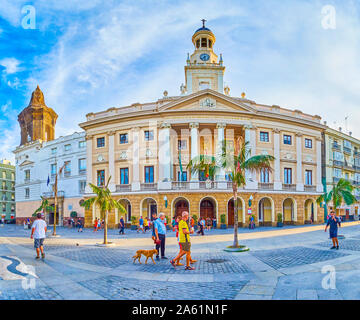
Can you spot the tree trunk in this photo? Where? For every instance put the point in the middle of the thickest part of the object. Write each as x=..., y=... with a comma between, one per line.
x=105, y=227
x=236, y=241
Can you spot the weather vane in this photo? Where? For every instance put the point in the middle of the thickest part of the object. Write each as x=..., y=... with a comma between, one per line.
x=203, y=21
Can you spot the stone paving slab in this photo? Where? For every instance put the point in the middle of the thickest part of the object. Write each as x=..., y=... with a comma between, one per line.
x=285, y=258
x=347, y=244
x=114, y=287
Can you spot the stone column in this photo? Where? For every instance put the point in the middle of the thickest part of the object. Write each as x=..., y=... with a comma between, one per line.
x=89, y=169
x=319, y=186
x=194, y=126
x=220, y=176
x=111, y=135
x=135, y=186
x=164, y=157
x=299, y=169
x=250, y=136
x=277, y=173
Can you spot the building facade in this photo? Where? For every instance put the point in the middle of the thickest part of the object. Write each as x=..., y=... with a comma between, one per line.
x=7, y=194
x=145, y=149
x=38, y=162
x=342, y=160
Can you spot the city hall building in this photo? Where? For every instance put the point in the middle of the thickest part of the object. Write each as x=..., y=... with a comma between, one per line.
x=145, y=149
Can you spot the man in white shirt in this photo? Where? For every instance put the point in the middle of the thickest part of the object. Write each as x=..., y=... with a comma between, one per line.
x=38, y=233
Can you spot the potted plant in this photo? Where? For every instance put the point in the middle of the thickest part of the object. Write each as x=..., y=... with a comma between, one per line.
x=279, y=220
x=223, y=222
x=195, y=221
x=133, y=223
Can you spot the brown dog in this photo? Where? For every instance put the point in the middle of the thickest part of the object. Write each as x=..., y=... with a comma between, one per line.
x=147, y=253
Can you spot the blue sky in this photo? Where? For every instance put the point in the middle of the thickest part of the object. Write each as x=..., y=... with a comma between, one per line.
x=90, y=55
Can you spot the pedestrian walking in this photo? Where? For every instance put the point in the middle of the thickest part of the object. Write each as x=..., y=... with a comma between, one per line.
x=333, y=222
x=160, y=234
x=38, y=233
x=184, y=242
x=141, y=225
x=122, y=226
x=95, y=224
x=146, y=225
x=201, y=225
x=79, y=225
x=214, y=222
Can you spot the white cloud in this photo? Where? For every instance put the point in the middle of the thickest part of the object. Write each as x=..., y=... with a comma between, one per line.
x=11, y=65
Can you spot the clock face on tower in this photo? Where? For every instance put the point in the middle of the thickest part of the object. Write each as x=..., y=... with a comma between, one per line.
x=204, y=57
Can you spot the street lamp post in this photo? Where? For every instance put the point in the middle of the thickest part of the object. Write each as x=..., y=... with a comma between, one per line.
x=55, y=197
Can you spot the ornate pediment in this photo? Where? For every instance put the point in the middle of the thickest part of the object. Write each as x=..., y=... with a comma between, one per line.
x=206, y=100
x=26, y=163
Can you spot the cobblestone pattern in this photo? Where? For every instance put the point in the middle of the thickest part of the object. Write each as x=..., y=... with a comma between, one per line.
x=44, y=293
x=104, y=257
x=296, y=256
x=230, y=265
x=119, y=288
x=347, y=244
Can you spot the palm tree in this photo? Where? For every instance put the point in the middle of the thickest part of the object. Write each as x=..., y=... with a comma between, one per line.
x=44, y=207
x=105, y=202
x=341, y=192
x=236, y=160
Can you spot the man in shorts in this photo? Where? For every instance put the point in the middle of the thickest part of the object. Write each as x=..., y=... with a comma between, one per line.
x=184, y=241
x=38, y=232
x=333, y=222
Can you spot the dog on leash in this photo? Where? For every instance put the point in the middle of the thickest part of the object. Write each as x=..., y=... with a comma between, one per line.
x=147, y=253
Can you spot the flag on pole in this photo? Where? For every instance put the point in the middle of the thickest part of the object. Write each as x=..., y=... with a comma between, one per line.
x=181, y=170
x=48, y=180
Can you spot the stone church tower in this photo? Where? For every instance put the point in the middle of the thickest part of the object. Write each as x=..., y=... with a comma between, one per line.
x=37, y=121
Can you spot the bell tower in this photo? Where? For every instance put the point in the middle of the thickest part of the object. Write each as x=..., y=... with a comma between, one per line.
x=204, y=70
x=37, y=121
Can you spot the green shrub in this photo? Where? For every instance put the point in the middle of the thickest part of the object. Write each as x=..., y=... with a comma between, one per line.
x=73, y=214
x=279, y=217
x=133, y=220
x=222, y=218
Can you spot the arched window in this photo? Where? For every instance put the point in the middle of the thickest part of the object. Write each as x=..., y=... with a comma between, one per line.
x=198, y=43
x=203, y=42
x=210, y=44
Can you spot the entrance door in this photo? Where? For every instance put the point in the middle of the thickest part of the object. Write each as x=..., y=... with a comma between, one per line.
x=231, y=209
x=180, y=207
x=153, y=209
x=207, y=209
x=51, y=218
x=261, y=210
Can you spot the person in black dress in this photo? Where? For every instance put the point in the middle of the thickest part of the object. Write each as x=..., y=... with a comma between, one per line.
x=333, y=222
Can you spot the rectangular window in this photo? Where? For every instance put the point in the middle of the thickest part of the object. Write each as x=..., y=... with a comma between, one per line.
x=264, y=136
x=12, y=208
x=338, y=156
x=287, y=139
x=67, y=147
x=308, y=177
x=82, y=144
x=53, y=150
x=183, y=176
x=337, y=173
x=67, y=168
x=202, y=175
x=264, y=176
x=4, y=175
x=27, y=175
x=124, y=138
x=100, y=178
x=149, y=174
x=287, y=175
x=308, y=143
x=12, y=176
x=182, y=144
x=4, y=185
x=82, y=165
x=100, y=142
x=4, y=207
x=124, y=176
x=82, y=186
x=149, y=135
x=27, y=192
x=53, y=169
x=347, y=144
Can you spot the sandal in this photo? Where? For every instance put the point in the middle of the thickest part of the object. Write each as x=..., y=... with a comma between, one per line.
x=173, y=263
x=189, y=268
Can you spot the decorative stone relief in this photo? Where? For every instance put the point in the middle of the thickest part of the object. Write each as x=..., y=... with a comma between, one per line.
x=148, y=153
x=123, y=155
x=100, y=158
x=208, y=103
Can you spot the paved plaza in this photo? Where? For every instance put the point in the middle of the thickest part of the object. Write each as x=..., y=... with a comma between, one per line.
x=283, y=263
